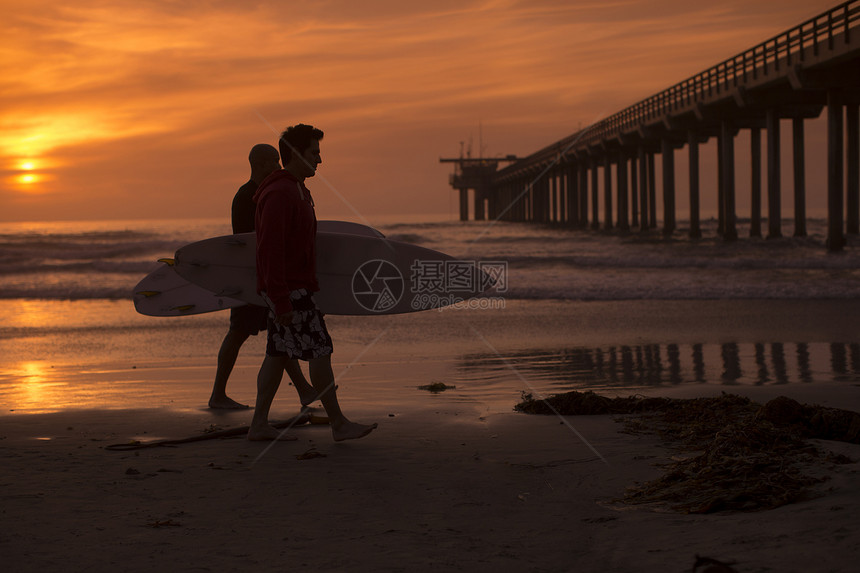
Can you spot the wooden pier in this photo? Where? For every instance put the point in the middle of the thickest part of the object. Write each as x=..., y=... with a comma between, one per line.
x=476, y=174
x=796, y=76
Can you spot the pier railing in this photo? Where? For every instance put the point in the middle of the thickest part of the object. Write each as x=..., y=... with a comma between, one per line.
x=772, y=58
x=793, y=75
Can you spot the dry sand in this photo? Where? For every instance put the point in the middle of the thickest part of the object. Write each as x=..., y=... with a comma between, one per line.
x=441, y=485
x=430, y=490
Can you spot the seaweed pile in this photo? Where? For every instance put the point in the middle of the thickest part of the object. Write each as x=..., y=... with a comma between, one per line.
x=749, y=457
x=436, y=387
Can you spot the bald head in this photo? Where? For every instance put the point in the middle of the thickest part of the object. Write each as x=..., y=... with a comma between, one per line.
x=263, y=159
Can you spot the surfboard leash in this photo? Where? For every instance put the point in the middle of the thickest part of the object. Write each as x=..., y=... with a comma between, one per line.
x=299, y=420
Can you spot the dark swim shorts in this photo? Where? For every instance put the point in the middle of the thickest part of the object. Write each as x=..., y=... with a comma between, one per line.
x=249, y=319
x=306, y=337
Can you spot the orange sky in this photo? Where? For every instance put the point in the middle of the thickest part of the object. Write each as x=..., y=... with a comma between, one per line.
x=117, y=110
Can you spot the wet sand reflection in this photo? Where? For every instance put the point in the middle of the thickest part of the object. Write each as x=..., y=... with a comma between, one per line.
x=728, y=364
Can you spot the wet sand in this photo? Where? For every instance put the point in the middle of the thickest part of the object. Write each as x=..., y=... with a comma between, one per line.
x=453, y=482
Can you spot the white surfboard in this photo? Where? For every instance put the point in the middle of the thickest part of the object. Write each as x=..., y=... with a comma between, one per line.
x=358, y=275
x=165, y=293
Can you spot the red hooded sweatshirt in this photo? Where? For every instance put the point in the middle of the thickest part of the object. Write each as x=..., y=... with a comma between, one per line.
x=286, y=239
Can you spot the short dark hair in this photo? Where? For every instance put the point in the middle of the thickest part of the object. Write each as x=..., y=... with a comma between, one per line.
x=297, y=137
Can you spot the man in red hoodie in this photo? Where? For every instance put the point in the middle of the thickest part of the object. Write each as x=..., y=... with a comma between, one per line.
x=286, y=278
x=247, y=321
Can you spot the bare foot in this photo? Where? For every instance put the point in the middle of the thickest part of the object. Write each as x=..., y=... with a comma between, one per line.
x=226, y=403
x=268, y=433
x=351, y=431
x=308, y=397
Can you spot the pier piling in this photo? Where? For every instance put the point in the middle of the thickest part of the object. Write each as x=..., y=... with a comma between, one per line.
x=792, y=76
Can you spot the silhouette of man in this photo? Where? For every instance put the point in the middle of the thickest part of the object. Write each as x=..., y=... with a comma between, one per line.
x=286, y=278
x=249, y=320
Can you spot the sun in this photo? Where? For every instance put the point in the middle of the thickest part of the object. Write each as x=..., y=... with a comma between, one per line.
x=29, y=174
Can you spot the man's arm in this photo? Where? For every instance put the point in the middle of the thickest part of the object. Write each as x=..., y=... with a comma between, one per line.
x=243, y=208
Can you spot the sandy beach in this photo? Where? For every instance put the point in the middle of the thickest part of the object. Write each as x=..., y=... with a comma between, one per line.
x=454, y=481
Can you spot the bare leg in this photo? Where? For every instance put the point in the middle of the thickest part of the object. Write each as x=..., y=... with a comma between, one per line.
x=306, y=392
x=322, y=379
x=233, y=341
x=268, y=381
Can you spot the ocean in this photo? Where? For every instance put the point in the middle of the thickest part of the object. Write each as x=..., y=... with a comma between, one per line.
x=104, y=260
x=578, y=311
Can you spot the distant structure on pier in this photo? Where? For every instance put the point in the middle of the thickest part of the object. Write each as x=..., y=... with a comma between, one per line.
x=475, y=174
x=792, y=76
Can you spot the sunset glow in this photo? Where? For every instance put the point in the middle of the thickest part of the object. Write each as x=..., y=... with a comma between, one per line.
x=156, y=104
x=31, y=388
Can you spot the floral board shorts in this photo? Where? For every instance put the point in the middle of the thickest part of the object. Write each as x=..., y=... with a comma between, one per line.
x=306, y=337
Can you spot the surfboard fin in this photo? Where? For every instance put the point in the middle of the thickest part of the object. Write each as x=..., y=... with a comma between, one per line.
x=148, y=293
x=168, y=262
x=183, y=307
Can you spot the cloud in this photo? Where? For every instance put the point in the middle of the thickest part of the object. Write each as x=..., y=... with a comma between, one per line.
x=179, y=85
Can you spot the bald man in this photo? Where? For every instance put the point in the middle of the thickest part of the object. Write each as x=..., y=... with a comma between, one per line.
x=250, y=320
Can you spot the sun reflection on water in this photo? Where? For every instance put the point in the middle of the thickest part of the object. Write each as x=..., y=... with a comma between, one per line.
x=32, y=373
x=29, y=385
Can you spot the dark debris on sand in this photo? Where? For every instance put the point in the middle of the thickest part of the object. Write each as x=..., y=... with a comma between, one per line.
x=436, y=387
x=750, y=457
